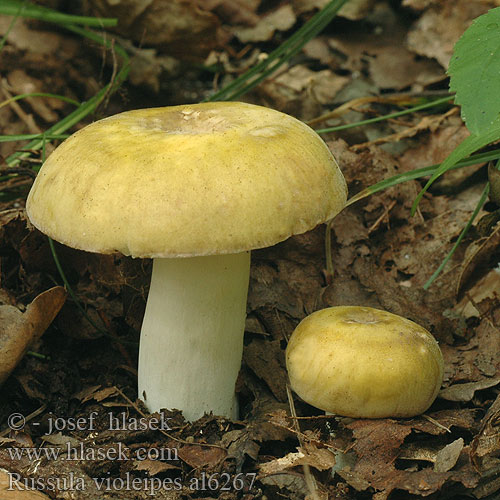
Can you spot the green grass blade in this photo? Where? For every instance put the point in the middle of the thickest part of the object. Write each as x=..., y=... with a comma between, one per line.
x=69, y=289
x=39, y=94
x=25, y=137
x=12, y=24
x=11, y=8
x=278, y=57
x=87, y=107
x=407, y=111
x=480, y=203
x=464, y=149
x=421, y=172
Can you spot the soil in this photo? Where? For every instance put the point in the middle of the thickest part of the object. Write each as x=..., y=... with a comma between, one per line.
x=72, y=397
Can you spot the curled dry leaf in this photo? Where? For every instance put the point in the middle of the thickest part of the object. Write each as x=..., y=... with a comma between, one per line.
x=153, y=467
x=465, y=392
x=96, y=393
x=486, y=444
x=281, y=19
x=428, y=38
x=10, y=492
x=200, y=456
x=483, y=255
x=18, y=330
x=319, y=458
x=183, y=27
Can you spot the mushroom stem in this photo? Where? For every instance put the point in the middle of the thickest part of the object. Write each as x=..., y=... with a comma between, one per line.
x=192, y=334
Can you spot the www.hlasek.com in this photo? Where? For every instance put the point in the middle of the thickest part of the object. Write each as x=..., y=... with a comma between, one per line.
x=71, y=452
x=72, y=482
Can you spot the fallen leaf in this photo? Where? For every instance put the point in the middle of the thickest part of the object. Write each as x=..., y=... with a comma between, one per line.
x=266, y=359
x=12, y=490
x=96, y=393
x=377, y=446
x=319, y=458
x=25, y=37
x=482, y=256
x=201, y=456
x=184, y=26
x=486, y=444
x=153, y=467
x=353, y=10
x=465, y=392
x=62, y=441
x=447, y=457
x=428, y=38
x=281, y=19
x=18, y=331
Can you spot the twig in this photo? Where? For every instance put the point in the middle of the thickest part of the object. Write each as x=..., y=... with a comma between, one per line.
x=308, y=477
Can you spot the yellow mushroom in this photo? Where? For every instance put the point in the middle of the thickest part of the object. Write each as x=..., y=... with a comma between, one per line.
x=365, y=363
x=195, y=187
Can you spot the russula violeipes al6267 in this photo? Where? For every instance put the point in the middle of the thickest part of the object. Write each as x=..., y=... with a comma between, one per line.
x=195, y=187
x=364, y=363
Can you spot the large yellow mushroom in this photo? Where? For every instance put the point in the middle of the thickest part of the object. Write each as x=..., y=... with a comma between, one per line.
x=195, y=187
x=363, y=362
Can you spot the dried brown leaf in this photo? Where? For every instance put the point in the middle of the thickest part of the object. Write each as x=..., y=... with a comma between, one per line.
x=281, y=19
x=428, y=38
x=184, y=26
x=377, y=446
x=12, y=490
x=96, y=393
x=483, y=255
x=201, y=456
x=486, y=443
x=61, y=440
x=475, y=360
x=319, y=458
x=153, y=467
x=18, y=331
x=353, y=10
x=266, y=359
x=447, y=457
x=25, y=37
x=465, y=392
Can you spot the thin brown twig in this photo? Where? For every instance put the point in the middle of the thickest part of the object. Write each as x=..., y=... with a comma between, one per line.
x=31, y=416
x=308, y=477
x=25, y=117
x=382, y=217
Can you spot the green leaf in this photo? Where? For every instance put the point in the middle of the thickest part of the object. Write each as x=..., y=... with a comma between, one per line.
x=475, y=73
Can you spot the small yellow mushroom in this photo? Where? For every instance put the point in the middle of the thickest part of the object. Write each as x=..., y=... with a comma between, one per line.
x=364, y=363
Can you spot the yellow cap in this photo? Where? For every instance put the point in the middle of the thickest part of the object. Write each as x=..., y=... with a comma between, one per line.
x=190, y=180
x=365, y=363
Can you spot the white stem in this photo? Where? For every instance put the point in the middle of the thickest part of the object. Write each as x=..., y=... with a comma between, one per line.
x=192, y=334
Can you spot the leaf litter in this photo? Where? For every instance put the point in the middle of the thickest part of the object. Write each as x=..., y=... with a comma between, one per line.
x=381, y=257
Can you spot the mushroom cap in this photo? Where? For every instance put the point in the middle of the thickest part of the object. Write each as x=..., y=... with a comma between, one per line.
x=364, y=363
x=191, y=180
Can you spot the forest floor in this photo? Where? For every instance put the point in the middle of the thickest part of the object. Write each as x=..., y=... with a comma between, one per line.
x=394, y=53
